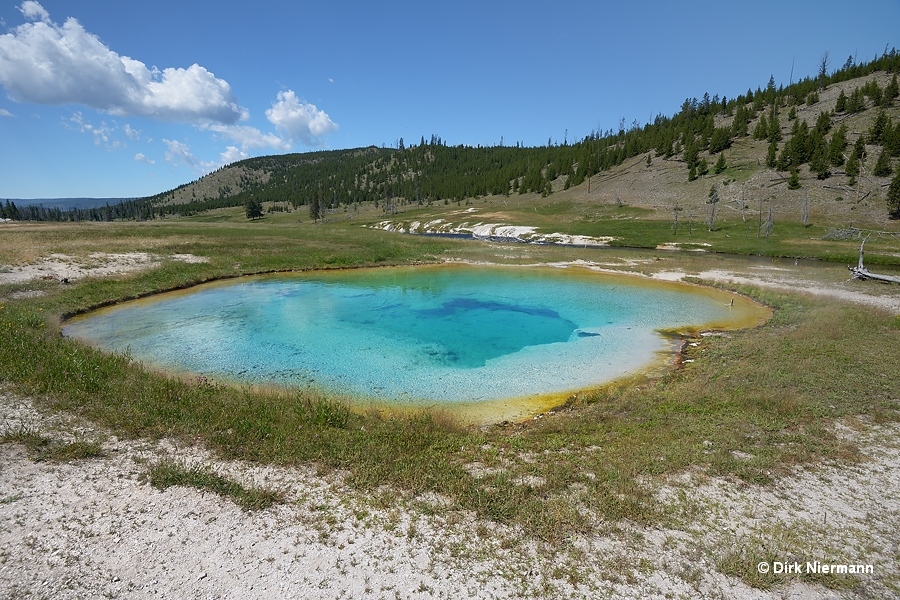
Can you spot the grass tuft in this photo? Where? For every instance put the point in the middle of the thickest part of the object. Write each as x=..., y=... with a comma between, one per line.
x=168, y=473
x=42, y=448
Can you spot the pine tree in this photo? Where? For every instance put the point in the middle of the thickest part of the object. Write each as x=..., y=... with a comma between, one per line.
x=771, y=154
x=691, y=153
x=761, y=131
x=720, y=139
x=837, y=145
x=794, y=181
x=720, y=164
x=892, y=90
x=893, y=197
x=314, y=208
x=253, y=209
x=852, y=168
x=702, y=167
x=883, y=165
x=819, y=163
x=878, y=126
x=841, y=105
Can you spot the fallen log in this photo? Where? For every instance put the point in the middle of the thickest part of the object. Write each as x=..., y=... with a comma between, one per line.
x=861, y=272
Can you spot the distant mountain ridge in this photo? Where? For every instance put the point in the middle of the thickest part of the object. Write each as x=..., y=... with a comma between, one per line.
x=66, y=203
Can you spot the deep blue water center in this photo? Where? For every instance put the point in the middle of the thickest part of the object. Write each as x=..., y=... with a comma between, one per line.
x=462, y=331
x=408, y=334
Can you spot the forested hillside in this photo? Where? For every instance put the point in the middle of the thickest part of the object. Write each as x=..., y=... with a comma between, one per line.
x=799, y=131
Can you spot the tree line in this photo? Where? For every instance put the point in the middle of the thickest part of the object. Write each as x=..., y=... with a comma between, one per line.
x=433, y=171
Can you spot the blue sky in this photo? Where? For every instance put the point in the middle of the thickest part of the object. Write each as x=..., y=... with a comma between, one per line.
x=104, y=98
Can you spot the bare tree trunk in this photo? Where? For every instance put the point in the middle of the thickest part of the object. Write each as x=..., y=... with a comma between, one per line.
x=861, y=272
x=805, y=210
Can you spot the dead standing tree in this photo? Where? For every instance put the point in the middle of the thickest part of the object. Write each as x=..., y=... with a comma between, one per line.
x=677, y=209
x=713, y=201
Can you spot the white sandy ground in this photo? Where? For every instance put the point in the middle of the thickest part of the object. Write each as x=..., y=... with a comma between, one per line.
x=96, y=264
x=879, y=295
x=94, y=528
x=519, y=233
x=788, y=283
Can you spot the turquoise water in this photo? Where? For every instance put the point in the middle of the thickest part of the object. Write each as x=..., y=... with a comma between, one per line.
x=407, y=334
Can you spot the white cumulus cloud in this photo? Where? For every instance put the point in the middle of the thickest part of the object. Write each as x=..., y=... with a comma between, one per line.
x=5, y=113
x=102, y=133
x=47, y=63
x=232, y=154
x=299, y=121
x=141, y=158
x=249, y=137
x=179, y=153
x=131, y=132
x=33, y=11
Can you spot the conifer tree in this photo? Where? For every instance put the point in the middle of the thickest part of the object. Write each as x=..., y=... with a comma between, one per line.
x=794, y=181
x=883, y=165
x=818, y=164
x=314, y=212
x=892, y=90
x=823, y=71
x=702, y=167
x=841, y=105
x=837, y=145
x=771, y=154
x=253, y=209
x=761, y=131
x=852, y=168
x=893, y=197
x=878, y=126
x=720, y=164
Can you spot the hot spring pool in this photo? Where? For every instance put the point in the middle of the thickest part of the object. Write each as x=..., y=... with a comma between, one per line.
x=440, y=334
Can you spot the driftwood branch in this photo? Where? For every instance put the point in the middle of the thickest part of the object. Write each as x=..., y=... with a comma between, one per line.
x=861, y=272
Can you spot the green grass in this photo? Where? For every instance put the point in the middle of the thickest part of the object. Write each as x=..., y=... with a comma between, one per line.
x=165, y=474
x=780, y=542
x=771, y=393
x=42, y=448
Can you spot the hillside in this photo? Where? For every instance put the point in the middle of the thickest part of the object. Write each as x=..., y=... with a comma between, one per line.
x=831, y=131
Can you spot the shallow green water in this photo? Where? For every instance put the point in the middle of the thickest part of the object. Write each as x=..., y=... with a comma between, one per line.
x=409, y=334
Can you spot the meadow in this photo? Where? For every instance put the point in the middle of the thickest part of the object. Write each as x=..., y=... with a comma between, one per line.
x=751, y=405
